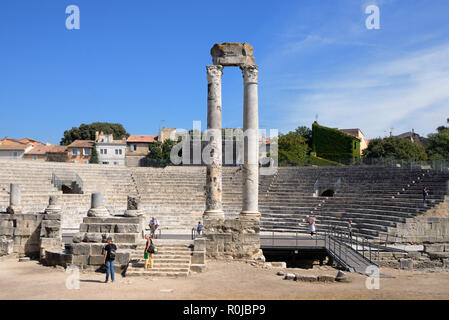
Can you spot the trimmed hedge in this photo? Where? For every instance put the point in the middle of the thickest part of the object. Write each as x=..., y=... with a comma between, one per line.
x=333, y=144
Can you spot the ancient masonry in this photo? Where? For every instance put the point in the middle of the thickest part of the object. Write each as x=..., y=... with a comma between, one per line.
x=232, y=238
x=29, y=234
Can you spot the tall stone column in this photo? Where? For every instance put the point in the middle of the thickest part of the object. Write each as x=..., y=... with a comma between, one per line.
x=251, y=143
x=214, y=208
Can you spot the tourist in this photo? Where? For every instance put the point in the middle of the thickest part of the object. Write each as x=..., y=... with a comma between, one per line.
x=350, y=228
x=109, y=257
x=312, y=225
x=199, y=228
x=149, y=249
x=425, y=194
x=240, y=168
x=154, y=225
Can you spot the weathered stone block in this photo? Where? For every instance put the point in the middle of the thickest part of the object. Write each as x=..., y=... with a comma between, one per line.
x=80, y=259
x=93, y=237
x=81, y=249
x=6, y=246
x=434, y=248
x=198, y=257
x=197, y=268
x=96, y=260
x=107, y=228
x=438, y=255
x=97, y=249
x=52, y=216
x=199, y=244
x=326, y=278
x=79, y=237
x=6, y=231
x=306, y=278
x=6, y=224
x=232, y=54
x=406, y=264
x=83, y=227
x=125, y=237
x=122, y=257
x=94, y=228
x=57, y=258
x=126, y=228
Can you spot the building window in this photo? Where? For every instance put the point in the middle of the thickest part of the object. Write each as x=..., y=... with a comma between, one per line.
x=118, y=151
x=86, y=162
x=34, y=157
x=115, y=162
x=87, y=151
x=15, y=154
x=75, y=152
x=133, y=147
x=103, y=151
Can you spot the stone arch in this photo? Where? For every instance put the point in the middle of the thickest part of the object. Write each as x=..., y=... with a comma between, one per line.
x=327, y=193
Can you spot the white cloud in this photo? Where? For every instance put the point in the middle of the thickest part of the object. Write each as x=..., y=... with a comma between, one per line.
x=407, y=92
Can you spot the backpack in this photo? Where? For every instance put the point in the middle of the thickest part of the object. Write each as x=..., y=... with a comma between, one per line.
x=112, y=253
x=151, y=249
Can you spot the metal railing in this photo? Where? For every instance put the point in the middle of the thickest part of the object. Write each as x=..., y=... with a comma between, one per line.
x=57, y=182
x=274, y=239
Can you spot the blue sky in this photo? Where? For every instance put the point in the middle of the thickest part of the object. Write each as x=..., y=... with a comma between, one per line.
x=142, y=63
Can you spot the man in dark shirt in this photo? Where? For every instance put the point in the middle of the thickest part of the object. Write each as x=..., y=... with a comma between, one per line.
x=110, y=251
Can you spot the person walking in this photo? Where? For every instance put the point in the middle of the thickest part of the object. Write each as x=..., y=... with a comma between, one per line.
x=312, y=225
x=425, y=194
x=199, y=228
x=350, y=229
x=149, y=249
x=154, y=225
x=110, y=251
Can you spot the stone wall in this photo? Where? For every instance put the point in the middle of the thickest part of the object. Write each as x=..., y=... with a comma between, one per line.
x=433, y=256
x=29, y=234
x=87, y=250
x=422, y=230
x=233, y=239
x=20, y=234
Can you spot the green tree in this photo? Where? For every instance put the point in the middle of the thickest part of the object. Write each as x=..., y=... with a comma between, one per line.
x=438, y=144
x=161, y=150
x=94, y=156
x=394, y=147
x=155, y=151
x=292, y=149
x=87, y=132
x=304, y=132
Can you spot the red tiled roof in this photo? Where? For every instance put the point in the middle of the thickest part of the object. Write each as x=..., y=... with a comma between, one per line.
x=81, y=144
x=142, y=138
x=56, y=149
x=38, y=150
x=12, y=144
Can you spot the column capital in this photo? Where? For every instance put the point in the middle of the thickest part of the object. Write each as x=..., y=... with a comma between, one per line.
x=214, y=73
x=250, y=73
